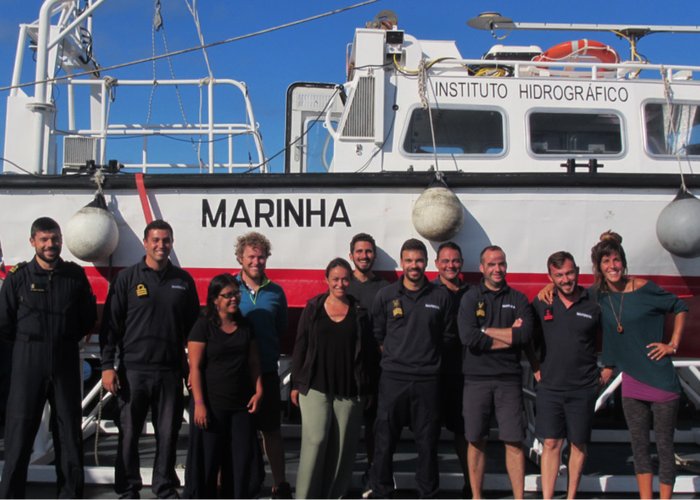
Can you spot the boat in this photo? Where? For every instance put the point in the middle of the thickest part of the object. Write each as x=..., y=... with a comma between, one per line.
x=534, y=150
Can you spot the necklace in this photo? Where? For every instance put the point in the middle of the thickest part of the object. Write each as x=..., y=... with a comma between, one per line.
x=618, y=316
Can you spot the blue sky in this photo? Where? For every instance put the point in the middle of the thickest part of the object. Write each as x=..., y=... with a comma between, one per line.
x=316, y=51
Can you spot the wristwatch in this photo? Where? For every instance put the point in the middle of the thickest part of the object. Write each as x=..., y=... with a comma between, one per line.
x=673, y=346
x=483, y=330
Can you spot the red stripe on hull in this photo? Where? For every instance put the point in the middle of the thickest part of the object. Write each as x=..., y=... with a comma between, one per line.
x=302, y=284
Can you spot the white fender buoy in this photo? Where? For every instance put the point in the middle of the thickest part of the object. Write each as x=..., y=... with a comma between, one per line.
x=437, y=213
x=678, y=226
x=92, y=234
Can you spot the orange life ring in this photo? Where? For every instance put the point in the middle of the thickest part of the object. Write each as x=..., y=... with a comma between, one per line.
x=568, y=51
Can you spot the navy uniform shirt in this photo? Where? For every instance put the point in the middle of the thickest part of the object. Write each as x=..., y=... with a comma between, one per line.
x=41, y=305
x=411, y=327
x=568, y=342
x=483, y=308
x=148, y=315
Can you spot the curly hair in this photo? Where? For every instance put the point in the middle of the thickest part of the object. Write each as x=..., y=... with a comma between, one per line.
x=252, y=239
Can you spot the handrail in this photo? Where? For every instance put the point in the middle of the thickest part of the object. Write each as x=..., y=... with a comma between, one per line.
x=101, y=130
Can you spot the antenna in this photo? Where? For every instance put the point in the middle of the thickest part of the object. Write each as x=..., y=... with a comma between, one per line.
x=493, y=21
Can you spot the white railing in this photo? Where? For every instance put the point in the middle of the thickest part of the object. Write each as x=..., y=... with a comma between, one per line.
x=207, y=133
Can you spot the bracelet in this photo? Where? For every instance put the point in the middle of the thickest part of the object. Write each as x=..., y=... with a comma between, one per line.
x=673, y=346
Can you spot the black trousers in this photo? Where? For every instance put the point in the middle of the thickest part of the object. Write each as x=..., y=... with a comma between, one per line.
x=227, y=445
x=414, y=403
x=43, y=371
x=159, y=391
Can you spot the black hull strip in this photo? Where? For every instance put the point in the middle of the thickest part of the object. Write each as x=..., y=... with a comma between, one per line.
x=376, y=180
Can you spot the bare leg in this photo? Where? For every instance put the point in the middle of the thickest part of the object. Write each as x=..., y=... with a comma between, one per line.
x=515, y=465
x=274, y=450
x=476, y=460
x=549, y=466
x=665, y=491
x=461, y=451
x=644, y=483
x=577, y=458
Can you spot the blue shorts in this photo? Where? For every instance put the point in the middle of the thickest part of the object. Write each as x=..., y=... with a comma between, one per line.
x=565, y=414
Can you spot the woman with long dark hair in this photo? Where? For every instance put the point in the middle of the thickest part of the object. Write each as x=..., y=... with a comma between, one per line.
x=226, y=390
x=633, y=316
x=331, y=372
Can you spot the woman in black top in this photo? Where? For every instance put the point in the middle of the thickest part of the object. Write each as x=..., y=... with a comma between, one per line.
x=331, y=364
x=226, y=390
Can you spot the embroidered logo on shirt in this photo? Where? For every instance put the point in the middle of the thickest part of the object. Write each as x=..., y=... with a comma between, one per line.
x=508, y=306
x=584, y=315
x=179, y=287
x=141, y=290
x=37, y=288
x=432, y=306
x=396, y=309
x=548, y=316
x=480, y=311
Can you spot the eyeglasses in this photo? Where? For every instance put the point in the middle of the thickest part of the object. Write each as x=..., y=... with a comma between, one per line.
x=230, y=295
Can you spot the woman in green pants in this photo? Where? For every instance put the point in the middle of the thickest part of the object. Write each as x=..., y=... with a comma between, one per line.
x=331, y=372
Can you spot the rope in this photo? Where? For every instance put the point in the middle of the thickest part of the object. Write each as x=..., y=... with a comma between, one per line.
x=159, y=25
x=423, y=93
x=673, y=126
x=198, y=47
x=97, y=422
x=195, y=17
x=99, y=179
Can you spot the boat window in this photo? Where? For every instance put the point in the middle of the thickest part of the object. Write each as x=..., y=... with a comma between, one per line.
x=575, y=133
x=318, y=144
x=672, y=130
x=457, y=132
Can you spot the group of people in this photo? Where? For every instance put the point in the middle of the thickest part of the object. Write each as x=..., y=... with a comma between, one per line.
x=415, y=353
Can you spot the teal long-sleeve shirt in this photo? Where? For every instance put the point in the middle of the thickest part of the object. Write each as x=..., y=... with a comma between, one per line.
x=266, y=309
x=642, y=315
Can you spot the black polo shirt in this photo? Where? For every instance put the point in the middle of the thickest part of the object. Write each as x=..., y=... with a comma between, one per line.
x=411, y=327
x=148, y=315
x=483, y=308
x=452, y=351
x=365, y=291
x=567, y=338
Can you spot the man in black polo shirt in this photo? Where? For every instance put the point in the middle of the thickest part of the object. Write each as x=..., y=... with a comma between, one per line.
x=566, y=370
x=364, y=287
x=495, y=323
x=449, y=263
x=150, y=309
x=411, y=320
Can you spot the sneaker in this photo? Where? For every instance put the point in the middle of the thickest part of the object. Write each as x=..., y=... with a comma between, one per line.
x=282, y=490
